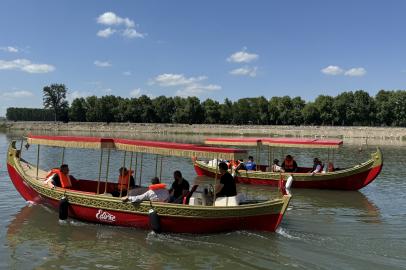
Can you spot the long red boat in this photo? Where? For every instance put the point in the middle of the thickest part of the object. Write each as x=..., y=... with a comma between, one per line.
x=353, y=178
x=88, y=199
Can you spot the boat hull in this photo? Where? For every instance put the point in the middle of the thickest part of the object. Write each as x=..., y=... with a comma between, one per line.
x=350, y=179
x=264, y=216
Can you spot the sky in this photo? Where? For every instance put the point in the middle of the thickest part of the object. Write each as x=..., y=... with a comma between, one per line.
x=209, y=49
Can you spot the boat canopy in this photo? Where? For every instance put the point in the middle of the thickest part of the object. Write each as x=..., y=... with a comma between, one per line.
x=280, y=142
x=151, y=147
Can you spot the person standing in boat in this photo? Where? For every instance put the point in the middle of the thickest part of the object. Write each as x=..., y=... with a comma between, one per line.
x=180, y=187
x=227, y=187
x=289, y=165
x=60, y=177
x=156, y=193
x=250, y=164
x=123, y=183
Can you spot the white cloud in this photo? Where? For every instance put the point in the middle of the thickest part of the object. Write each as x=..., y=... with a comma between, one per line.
x=77, y=95
x=242, y=57
x=106, y=90
x=128, y=73
x=356, y=72
x=151, y=96
x=131, y=33
x=150, y=82
x=10, y=49
x=106, y=32
x=136, y=92
x=244, y=48
x=177, y=79
x=101, y=64
x=245, y=70
x=197, y=90
x=109, y=18
x=254, y=71
x=332, y=70
x=26, y=65
x=92, y=82
x=21, y=94
x=240, y=71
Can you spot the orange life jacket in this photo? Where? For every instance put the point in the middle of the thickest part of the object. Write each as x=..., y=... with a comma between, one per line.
x=124, y=182
x=289, y=165
x=65, y=180
x=151, y=187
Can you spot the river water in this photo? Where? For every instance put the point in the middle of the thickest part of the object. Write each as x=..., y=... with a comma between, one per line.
x=322, y=229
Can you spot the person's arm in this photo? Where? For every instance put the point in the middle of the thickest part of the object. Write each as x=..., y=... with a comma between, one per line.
x=318, y=169
x=283, y=167
x=184, y=193
x=219, y=188
x=170, y=190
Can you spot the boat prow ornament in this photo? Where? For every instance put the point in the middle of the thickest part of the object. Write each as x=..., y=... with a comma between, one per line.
x=352, y=178
x=87, y=199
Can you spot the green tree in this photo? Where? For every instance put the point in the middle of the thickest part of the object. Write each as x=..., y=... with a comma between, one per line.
x=211, y=111
x=263, y=114
x=54, y=98
x=77, y=111
x=364, y=108
x=398, y=100
x=164, y=109
x=285, y=106
x=298, y=105
x=384, y=107
x=310, y=114
x=226, y=112
x=91, y=110
x=324, y=105
x=241, y=111
x=273, y=110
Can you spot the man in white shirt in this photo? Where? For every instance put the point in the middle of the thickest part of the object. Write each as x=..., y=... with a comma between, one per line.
x=316, y=167
x=156, y=193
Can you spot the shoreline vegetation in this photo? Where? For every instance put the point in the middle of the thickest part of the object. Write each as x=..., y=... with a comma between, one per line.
x=393, y=133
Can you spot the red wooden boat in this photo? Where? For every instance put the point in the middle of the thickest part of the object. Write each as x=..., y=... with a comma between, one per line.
x=88, y=201
x=353, y=178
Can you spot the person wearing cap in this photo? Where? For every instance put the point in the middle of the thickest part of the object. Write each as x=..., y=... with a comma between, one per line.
x=289, y=165
x=156, y=193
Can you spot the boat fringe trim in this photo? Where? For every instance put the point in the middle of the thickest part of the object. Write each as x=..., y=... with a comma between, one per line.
x=93, y=145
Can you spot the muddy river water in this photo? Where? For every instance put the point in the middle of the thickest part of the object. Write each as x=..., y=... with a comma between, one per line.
x=322, y=229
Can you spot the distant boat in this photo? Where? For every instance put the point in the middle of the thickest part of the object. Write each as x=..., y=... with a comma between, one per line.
x=353, y=178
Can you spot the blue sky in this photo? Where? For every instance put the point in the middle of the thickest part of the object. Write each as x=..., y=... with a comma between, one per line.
x=209, y=49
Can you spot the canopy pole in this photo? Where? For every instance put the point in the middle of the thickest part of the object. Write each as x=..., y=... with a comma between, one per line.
x=38, y=161
x=63, y=155
x=156, y=164
x=160, y=171
x=107, y=172
x=122, y=176
x=333, y=156
x=269, y=156
x=135, y=168
x=21, y=148
x=279, y=182
x=256, y=157
x=215, y=180
x=101, y=159
x=142, y=154
x=259, y=158
x=129, y=176
x=328, y=160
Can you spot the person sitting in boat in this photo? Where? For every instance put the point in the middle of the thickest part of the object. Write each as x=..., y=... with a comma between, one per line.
x=60, y=177
x=289, y=165
x=123, y=183
x=316, y=166
x=275, y=166
x=241, y=165
x=180, y=187
x=156, y=193
x=227, y=187
x=250, y=164
x=233, y=164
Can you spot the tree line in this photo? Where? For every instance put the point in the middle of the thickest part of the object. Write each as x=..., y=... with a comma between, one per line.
x=387, y=108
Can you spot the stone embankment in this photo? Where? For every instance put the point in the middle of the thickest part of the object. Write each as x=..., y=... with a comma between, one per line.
x=294, y=131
